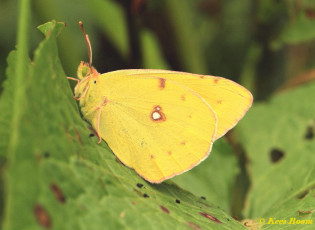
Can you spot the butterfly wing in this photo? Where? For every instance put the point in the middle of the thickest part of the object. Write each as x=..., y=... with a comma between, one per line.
x=229, y=100
x=153, y=125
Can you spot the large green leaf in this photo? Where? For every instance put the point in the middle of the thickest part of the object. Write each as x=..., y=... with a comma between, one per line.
x=59, y=178
x=279, y=139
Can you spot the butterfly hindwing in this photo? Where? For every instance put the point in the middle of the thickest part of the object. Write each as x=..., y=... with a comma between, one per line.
x=155, y=125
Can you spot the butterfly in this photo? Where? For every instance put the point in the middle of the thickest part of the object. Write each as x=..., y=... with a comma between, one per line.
x=161, y=123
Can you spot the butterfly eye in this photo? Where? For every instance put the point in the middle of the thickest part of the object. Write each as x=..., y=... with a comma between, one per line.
x=94, y=82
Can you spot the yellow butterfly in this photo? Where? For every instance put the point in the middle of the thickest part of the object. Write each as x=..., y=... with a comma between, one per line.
x=160, y=123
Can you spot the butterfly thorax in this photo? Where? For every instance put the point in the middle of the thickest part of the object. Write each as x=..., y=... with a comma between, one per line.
x=85, y=87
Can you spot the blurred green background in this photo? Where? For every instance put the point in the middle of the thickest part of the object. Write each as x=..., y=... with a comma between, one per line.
x=261, y=44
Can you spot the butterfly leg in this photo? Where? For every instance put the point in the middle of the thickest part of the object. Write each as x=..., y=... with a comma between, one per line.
x=99, y=108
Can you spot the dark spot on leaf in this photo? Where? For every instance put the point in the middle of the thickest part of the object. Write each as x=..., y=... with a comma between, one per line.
x=276, y=155
x=193, y=226
x=91, y=135
x=177, y=201
x=139, y=185
x=164, y=209
x=227, y=219
x=133, y=202
x=58, y=193
x=202, y=197
x=235, y=218
x=210, y=217
x=302, y=195
x=309, y=135
x=46, y=154
x=145, y=195
x=42, y=216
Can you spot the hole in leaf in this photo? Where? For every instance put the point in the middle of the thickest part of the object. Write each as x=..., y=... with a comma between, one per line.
x=42, y=216
x=46, y=154
x=302, y=195
x=139, y=185
x=276, y=155
x=58, y=193
x=309, y=135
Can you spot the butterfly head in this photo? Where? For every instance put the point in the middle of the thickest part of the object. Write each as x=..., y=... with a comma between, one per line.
x=86, y=75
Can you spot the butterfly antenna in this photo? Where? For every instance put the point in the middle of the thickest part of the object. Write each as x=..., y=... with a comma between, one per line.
x=88, y=43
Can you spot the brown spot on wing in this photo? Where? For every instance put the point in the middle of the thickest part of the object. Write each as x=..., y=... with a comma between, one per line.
x=183, y=98
x=152, y=156
x=219, y=101
x=169, y=152
x=161, y=83
x=202, y=77
x=183, y=143
x=157, y=115
x=216, y=80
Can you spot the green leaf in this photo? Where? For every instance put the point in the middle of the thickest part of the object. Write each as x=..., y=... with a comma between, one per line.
x=209, y=180
x=301, y=30
x=281, y=155
x=60, y=178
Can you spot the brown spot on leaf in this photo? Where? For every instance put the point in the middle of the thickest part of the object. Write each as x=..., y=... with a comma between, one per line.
x=77, y=135
x=58, y=193
x=305, y=213
x=152, y=156
x=162, y=83
x=133, y=203
x=164, y=209
x=276, y=155
x=210, y=217
x=193, y=226
x=42, y=216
